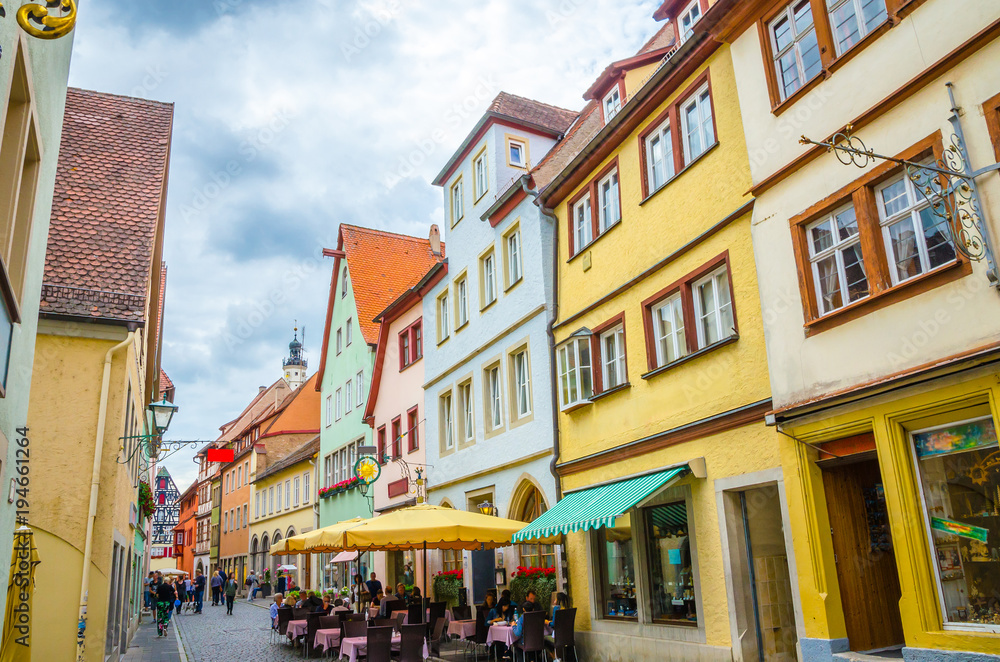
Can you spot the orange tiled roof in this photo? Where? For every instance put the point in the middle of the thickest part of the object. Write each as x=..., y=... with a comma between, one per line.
x=381, y=266
x=109, y=192
x=165, y=382
x=533, y=112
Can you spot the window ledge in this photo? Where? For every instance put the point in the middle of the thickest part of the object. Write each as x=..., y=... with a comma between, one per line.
x=444, y=340
x=878, y=300
x=461, y=326
x=611, y=391
x=690, y=357
x=488, y=306
x=683, y=170
x=418, y=359
x=513, y=285
x=843, y=58
x=781, y=107
x=576, y=405
x=595, y=240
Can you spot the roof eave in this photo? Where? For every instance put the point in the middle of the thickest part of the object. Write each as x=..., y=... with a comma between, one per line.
x=511, y=191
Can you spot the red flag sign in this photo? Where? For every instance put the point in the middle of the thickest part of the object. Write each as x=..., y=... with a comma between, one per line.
x=220, y=455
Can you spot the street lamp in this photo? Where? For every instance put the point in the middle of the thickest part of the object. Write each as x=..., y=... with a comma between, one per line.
x=162, y=411
x=487, y=508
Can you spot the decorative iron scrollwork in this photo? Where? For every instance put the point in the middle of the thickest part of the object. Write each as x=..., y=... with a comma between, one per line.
x=38, y=21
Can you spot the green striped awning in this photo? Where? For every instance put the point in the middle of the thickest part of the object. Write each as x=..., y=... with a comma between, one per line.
x=597, y=506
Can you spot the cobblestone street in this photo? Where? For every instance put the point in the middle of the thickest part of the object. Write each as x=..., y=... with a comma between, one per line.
x=215, y=637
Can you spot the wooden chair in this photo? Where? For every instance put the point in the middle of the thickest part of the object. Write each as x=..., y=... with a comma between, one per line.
x=411, y=644
x=564, y=633
x=532, y=635
x=379, y=644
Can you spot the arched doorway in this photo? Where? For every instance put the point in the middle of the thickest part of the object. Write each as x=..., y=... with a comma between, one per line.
x=529, y=505
x=254, y=556
x=265, y=554
x=275, y=560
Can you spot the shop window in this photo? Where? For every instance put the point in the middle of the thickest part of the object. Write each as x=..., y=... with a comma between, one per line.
x=616, y=562
x=668, y=551
x=534, y=555
x=960, y=484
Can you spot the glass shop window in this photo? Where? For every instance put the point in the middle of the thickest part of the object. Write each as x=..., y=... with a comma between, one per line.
x=959, y=467
x=668, y=550
x=616, y=559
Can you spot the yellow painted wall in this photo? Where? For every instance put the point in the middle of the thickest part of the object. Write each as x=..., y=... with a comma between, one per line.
x=301, y=518
x=62, y=418
x=162, y=563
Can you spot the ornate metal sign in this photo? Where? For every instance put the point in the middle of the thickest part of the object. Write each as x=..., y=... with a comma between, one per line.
x=367, y=469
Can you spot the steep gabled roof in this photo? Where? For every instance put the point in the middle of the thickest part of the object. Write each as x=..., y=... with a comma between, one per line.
x=107, y=206
x=296, y=414
x=260, y=407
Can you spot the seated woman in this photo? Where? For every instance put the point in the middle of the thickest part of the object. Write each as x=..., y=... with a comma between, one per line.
x=327, y=605
x=278, y=600
x=414, y=597
x=377, y=600
x=559, y=601
x=490, y=608
x=505, y=608
x=289, y=601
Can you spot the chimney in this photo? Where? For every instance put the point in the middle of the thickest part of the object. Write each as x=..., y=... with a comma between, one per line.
x=435, y=239
x=262, y=389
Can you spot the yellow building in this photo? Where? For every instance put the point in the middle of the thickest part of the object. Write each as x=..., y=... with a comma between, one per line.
x=673, y=488
x=295, y=477
x=96, y=369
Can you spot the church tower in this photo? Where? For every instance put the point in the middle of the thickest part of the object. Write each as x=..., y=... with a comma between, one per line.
x=295, y=365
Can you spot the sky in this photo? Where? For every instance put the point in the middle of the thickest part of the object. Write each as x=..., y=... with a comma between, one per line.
x=293, y=116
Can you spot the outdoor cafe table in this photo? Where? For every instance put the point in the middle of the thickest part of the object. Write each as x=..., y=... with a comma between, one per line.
x=501, y=633
x=447, y=615
x=462, y=628
x=297, y=628
x=327, y=638
x=352, y=647
x=373, y=612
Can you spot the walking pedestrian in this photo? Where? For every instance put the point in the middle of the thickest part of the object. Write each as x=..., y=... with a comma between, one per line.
x=199, y=591
x=165, y=597
x=181, y=595
x=147, y=591
x=216, y=588
x=374, y=585
x=231, y=588
x=251, y=586
x=282, y=584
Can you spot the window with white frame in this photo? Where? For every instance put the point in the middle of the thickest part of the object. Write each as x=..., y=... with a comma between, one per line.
x=461, y=302
x=516, y=154
x=513, y=246
x=794, y=47
x=348, y=404
x=278, y=491
x=296, y=491
x=583, y=228
x=270, y=499
x=468, y=420
x=612, y=104
x=687, y=18
x=696, y=120
x=288, y=493
x=306, y=496
x=256, y=505
x=713, y=305
x=338, y=404
x=457, y=201
x=494, y=395
x=609, y=211
x=659, y=156
x=576, y=384
x=343, y=283
x=359, y=387
x=447, y=421
x=852, y=20
x=613, y=357
x=916, y=239
x=522, y=383
x=481, y=170
x=340, y=341
x=444, y=315
x=488, y=277
x=328, y=471
x=668, y=322
x=837, y=264
x=348, y=332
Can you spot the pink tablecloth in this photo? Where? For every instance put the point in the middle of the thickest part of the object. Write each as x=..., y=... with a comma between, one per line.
x=327, y=638
x=462, y=629
x=373, y=612
x=502, y=633
x=297, y=628
x=351, y=647
x=406, y=619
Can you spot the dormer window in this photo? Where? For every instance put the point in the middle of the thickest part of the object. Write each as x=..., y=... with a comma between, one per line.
x=516, y=154
x=612, y=104
x=688, y=18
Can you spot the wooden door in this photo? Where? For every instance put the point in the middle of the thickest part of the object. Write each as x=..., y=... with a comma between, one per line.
x=866, y=564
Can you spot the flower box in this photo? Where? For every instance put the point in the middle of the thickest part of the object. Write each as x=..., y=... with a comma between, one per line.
x=339, y=488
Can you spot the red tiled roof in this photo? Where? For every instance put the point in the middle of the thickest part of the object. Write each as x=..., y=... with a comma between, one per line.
x=165, y=382
x=533, y=112
x=589, y=125
x=109, y=193
x=381, y=266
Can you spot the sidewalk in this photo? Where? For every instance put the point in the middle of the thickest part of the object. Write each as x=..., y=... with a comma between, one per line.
x=147, y=647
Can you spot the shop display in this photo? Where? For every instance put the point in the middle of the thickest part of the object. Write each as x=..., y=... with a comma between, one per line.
x=669, y=554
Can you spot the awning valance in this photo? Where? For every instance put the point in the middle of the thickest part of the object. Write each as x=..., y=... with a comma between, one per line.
x=596, y=507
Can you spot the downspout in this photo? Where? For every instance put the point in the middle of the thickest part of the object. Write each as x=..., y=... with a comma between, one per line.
x=550, y=332
x=95, y=486
x=315, y=508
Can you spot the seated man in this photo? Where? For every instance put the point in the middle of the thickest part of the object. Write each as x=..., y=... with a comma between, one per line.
x=388, y=603
x=278, y=599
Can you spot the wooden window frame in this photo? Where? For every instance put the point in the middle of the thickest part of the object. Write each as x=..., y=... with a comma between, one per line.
x=991, y=111
x=583, y=400
x=380, y=440
x=514, y=415
x=591, y=189
x=443, y=428
x=489, y=429
x=413, y=350
x=397, y=437
x=881, y=291
x=596, y=350
x=412, y=435
x=685, y=286
x=469, y=402
x=619, y=85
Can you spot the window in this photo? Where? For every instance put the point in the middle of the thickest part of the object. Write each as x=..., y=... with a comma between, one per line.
x=343, y=283
x=451, y=559
x=482, y=174
x=838, y=267
x=447, y=423
x=916, y=240
x=239, y=476
x=380, y=435
x=339, y=403
x=306, y=495
x=575, y=378
x=296, y=491
x=851, y=20
x=668, y=550
x=714, y=308
x=279, y=498
x=613, y=358
x=461, y=302
x=668, y=321
x=412, y=423
x=534, y=555
x=512, y=258
x=288, y=493
x=612, y=104
x=270, y=498
x=468, y=417
x=444, y=323
x=659, y=157
x=339, y=340
x=348, y=331
x=582, y=223
x=696, y=121
x=488, y=279
x=687, y=19
x=517, y=154
x=256, y=506
x=246, y=514
x=522, y=383
x=359, y=381
x=328, y=471
x=494, y=397
x=959, y=484
x=225, y=522
x=397, y=438
x=410, y=344
x=246, y=471
x=457, y=201
x=348, y=404
x=610, y=211
x=616, y=563
x=794, y=47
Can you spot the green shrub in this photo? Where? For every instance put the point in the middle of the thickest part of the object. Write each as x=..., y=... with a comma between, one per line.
x=447, y=586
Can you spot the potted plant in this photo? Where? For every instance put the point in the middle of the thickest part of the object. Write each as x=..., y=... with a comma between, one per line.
x=542, y=580
x=447, y=586
x=146, y=505
x=265, y=584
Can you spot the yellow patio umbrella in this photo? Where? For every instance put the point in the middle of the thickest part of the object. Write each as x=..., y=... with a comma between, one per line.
x=432, y=527
x=321, y=541
x=16, y=646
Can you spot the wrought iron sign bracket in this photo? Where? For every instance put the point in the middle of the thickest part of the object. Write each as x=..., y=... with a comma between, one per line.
x=948, y=185
x=157, y=447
